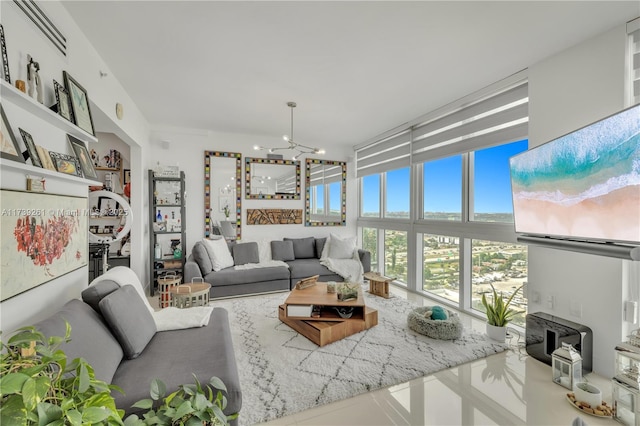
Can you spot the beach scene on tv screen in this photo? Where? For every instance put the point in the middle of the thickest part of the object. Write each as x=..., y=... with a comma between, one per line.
x=584, y=185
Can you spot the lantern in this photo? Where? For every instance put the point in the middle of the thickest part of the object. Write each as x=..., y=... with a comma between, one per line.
x=566, y=365
x=626, y=384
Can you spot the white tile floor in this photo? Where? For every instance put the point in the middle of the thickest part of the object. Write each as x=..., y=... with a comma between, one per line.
x=509, y=388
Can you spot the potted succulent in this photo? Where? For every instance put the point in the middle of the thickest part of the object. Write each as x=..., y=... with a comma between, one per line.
x=498, y=314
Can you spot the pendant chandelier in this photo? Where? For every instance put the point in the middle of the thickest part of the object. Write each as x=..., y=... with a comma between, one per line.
x=297, y=148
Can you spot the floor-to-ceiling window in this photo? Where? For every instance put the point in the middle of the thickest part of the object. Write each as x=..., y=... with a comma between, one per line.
x=438, y=211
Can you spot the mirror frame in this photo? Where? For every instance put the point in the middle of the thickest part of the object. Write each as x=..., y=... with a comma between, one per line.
x=208, y=155
x=343, y=215
x=247, y=171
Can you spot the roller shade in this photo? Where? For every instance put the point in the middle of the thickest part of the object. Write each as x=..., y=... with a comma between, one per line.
x=498, y=119
x=391, y=153
x=325, y=174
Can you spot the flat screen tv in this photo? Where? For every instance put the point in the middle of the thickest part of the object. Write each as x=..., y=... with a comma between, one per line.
x=582, y=186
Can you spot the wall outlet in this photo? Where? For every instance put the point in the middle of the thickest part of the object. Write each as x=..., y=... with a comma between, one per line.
x=535, y=296
x=550, y=301
x=630, y=311
x=576, y=309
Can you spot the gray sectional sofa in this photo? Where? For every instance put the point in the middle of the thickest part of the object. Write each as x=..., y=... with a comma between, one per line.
x=302, y=256
x=108, y=311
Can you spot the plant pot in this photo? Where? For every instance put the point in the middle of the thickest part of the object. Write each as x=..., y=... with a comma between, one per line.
x=497, y=333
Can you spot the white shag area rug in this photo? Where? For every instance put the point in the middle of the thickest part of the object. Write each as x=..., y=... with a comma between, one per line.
x=282, y=372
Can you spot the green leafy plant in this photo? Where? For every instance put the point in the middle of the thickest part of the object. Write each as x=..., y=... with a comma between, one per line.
x=190, y=405
x=498, y=312
x=39, y=387
x=227, y=211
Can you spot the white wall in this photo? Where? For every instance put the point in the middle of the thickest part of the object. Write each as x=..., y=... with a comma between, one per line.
x=84, y=64
x=567, y=91
x=186, y=149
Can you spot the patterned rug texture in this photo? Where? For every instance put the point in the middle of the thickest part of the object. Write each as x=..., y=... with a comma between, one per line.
x=281, y=372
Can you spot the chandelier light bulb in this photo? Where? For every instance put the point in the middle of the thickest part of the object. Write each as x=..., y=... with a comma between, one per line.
x=270, y=150
x=286, y=138
x=256, y=147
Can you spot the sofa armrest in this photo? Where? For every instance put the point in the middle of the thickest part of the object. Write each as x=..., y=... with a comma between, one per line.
x=365, y=259
x=191, y=270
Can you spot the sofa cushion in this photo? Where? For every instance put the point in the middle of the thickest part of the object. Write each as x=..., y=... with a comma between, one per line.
x=174, y=356
x=303, y=248
x=231, y=276
x=303, y=268
x=201, y=257
x=282, y=250
x=341, y=248
x=93, y=294
x=129, y=319
x=219, y=253
x=246, y=253
x=320, y=242
x=90, y=337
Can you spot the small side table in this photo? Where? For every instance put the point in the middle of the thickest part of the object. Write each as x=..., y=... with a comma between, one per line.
x=378, y=284
x=190, y=295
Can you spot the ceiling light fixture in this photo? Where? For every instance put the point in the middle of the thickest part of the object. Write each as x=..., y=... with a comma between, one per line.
x=293, y=146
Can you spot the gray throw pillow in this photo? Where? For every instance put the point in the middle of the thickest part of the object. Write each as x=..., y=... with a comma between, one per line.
x=303, y=248
x=129, y=319
x=201, y=256
x=246, y=253
x=93, y=294
x=282, y=250
x=320, y=242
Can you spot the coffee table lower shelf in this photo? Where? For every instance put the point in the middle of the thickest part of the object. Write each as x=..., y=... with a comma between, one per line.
x=324, y=332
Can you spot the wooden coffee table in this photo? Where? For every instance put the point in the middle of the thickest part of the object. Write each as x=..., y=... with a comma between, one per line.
x=328, y=327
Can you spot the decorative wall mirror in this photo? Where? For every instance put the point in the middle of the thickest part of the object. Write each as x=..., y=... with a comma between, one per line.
x=326, y=201
x=223, y=194
x=266, y=178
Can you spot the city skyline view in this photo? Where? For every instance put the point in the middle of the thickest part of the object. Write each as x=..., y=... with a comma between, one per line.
x=443, y=183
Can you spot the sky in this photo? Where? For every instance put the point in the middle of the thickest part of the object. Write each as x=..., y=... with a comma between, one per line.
x=443, y=183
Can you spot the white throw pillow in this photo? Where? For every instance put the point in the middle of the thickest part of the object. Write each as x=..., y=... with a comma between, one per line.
x=218, y=253
x=341, y=248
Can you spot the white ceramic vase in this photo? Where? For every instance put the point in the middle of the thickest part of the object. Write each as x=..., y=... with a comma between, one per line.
x=497, y=333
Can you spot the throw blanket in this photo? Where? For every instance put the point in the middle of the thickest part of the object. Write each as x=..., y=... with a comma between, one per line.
x=263, y=264
x=168, y=318
x=349, y=269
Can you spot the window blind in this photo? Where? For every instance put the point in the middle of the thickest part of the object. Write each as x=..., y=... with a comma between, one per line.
x=494, y=115
x=633, y=29
x=325, y=174
x=390, y=153
x=497, y=119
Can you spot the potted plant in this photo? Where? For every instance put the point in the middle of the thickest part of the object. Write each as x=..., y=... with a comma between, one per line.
x=498, y=314
x=38, y=385
x=189, y=405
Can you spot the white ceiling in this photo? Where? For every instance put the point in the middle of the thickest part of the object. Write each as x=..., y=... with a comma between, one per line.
x=356, y=69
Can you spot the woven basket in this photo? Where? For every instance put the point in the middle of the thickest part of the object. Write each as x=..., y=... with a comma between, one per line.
x=165, y=284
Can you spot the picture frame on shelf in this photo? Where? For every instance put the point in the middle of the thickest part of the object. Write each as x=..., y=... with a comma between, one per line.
x=107, y=206
x=83, y=156
x=126, y=176
x=9, y=145
x=5, y=57
x=79, y=104
x=62, y=101
x=66, y=163
x=45, y=158
x=31, y=148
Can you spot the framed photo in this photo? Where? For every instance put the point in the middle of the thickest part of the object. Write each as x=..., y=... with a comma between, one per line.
x=66, y=163
x=45, y=158
x=10, y=147
x=107, y=206
x=83, y=156
x=31, y=148
x=126, y=175
x=79, y=104
x=62, y=100
x=41, y=247
x=5, y=58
